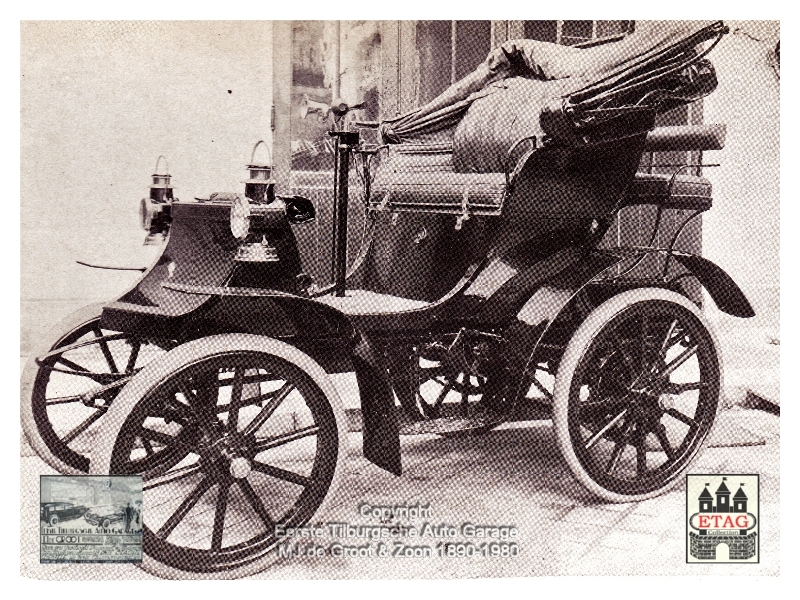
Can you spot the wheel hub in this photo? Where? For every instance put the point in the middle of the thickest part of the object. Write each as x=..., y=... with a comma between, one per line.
x=228, y=454
x=240, y=467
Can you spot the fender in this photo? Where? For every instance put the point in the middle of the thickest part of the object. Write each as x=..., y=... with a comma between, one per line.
x=727, y=295
x=550, y=300
x=328, y=336
x=381, y=426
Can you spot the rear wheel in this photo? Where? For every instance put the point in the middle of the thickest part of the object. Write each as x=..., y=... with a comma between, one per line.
x=70, y=381
x=636, y=394
x=261, y=438
x=53, y=520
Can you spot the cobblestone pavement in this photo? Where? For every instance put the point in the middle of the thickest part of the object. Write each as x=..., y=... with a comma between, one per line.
x=511, y=476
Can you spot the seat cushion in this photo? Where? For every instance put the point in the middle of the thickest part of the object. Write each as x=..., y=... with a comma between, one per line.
x=421, y=177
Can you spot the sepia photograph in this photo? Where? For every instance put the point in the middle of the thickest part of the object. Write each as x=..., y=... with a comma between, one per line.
x=410, y=299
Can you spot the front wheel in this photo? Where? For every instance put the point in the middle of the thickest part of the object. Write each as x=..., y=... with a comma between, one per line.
x=69, y=382
x=636, y=394
x=259, y=439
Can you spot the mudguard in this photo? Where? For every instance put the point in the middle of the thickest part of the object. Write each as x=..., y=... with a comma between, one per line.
x=728, y=296
x=549, y=301
x=381, y=427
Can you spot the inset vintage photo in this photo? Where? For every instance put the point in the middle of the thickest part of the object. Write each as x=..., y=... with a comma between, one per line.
x=87, y=519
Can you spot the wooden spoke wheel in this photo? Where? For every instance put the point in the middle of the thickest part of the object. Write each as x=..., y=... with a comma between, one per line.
x=260, y=436
x=636, y=394
x=70, y=381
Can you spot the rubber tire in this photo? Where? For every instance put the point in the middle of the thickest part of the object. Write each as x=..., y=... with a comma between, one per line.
x=575, y=350
x=53, y=520
x=68, y=324
x=154, y=373
x=106, y=524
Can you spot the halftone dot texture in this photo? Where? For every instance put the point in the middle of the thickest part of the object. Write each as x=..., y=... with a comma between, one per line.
x=514, y=475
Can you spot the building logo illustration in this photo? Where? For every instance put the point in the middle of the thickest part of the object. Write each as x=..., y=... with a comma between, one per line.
x=722, y=527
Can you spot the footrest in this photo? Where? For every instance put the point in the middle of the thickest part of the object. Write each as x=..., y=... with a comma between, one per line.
x=365, y=302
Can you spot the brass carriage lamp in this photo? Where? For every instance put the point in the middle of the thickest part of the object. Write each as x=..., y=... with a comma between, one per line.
x=259, y=202
x=155, y=212
x=260, y=188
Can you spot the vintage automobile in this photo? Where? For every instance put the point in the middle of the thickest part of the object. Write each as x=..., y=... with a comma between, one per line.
x=105, y=515
x=54, y=513
x=479, y=287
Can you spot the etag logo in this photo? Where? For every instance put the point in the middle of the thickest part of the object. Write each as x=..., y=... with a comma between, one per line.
x=722, y=518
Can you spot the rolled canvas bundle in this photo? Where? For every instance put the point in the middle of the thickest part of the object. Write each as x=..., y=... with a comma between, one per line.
x=575, y=96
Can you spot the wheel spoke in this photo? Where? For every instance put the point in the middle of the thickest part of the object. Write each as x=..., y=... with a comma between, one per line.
x=661, y=435
x=547, y=393
x=219, y=515
x=686, y=419
x=82, y=427
x=643, y=350
x=676, y=414
x=183, y=510
x=106, y=350
x=136, y=345
x=619, y=447
x=92, y=395
x=280, y=440
x=236, y=398
x=464, y=402
x=596, y=437
x=442, y=395
x=147, y=445
x=270, y=408
x=641, y=455
x=677, y=362
x=279, y=473
x=64, y=400
x=680, y=388
x=170, y=477
x=257, y=504
x=667, y=343
x=73, y=365
x=79, y=370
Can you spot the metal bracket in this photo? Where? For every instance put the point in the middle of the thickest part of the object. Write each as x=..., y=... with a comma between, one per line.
x=464, y=216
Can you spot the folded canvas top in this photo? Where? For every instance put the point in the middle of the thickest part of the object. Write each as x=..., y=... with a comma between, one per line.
x=584, y=76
